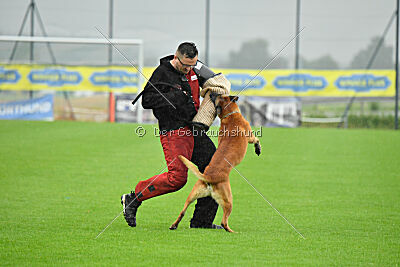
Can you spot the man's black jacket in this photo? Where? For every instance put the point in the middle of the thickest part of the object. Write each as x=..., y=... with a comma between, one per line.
x=175, y=87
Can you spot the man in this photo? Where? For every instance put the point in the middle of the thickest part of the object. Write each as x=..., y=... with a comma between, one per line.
x=173, y=94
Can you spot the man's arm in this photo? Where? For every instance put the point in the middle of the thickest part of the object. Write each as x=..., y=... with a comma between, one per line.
x=154, y=98
x=202, y=80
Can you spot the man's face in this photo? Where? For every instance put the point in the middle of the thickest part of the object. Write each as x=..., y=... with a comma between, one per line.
x=185, y=64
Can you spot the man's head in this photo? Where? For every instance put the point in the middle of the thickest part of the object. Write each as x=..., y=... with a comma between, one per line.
x=185, y=57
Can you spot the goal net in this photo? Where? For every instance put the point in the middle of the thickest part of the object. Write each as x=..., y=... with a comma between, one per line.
x=84, y=75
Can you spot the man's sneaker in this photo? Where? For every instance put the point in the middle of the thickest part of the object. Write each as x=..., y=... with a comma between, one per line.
x=130, y=205
x=213, y=226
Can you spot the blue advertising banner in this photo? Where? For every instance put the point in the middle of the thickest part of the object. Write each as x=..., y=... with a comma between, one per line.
x=32, y=109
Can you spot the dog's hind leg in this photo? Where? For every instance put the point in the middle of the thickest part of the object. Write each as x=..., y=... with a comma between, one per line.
x=200, y=189
x=223, y=195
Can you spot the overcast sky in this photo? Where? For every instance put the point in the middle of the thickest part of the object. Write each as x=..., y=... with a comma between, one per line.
x=339, y=28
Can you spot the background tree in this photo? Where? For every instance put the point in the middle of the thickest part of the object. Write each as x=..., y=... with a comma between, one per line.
x=383, y=60
x=253, y=54
x=325, y=62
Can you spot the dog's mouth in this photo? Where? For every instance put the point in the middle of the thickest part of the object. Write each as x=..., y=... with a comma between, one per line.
x=215, y=98
x=218, y=109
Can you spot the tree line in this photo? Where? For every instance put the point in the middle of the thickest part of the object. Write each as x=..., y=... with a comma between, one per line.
x=253, y=54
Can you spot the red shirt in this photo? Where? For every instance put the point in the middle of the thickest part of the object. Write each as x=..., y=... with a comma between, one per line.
x=194, y=85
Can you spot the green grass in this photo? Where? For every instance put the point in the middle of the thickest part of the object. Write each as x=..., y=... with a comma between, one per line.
x=61, y=183
x=334, y=109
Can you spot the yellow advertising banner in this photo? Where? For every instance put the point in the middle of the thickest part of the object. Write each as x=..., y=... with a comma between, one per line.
x=125, y=79
x=312, y=82
x=68, y=78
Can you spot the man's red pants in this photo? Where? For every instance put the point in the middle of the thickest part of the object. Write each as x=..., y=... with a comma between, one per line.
x=174, y=143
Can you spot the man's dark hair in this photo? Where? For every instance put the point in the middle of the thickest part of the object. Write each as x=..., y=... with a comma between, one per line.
x=188, y=50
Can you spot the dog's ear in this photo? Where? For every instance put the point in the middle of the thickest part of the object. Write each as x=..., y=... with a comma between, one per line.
x=234, y=98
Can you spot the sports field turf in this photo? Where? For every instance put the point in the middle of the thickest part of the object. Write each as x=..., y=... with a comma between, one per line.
x=61, y=184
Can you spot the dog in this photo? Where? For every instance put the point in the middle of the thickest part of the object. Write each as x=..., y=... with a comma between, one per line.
x=234, y=135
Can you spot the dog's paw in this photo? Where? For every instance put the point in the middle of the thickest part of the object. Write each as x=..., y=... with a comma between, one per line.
x=173, y=227
x=257, y=147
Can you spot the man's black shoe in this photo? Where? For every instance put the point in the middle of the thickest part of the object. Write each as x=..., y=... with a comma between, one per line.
x=130, y=205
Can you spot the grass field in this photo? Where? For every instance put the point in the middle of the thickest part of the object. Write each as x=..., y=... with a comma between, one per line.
x=61, y=183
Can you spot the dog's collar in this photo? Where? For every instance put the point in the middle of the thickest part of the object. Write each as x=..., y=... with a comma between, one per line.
x=227, y=115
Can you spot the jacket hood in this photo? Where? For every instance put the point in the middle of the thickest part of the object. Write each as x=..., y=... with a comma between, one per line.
x=166, y=59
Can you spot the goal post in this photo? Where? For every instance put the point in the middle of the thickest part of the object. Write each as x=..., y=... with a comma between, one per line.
x=138, y=64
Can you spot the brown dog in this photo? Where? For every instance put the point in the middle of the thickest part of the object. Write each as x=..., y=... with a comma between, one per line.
x=234, y=135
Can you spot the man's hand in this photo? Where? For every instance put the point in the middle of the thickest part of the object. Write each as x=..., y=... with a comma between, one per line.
x=199, y=126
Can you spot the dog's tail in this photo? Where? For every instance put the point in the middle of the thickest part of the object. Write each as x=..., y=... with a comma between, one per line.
x=193, y=168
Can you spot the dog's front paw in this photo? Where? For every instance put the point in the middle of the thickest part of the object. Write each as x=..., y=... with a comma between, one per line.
x=257, y=147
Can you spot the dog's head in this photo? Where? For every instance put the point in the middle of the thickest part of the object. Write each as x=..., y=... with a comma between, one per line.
x=225, y=104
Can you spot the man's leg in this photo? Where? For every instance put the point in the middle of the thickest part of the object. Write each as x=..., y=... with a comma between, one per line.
x=174, y=143
x=206, y=208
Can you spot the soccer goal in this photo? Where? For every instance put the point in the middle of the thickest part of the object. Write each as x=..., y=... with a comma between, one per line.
x=67, y=65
